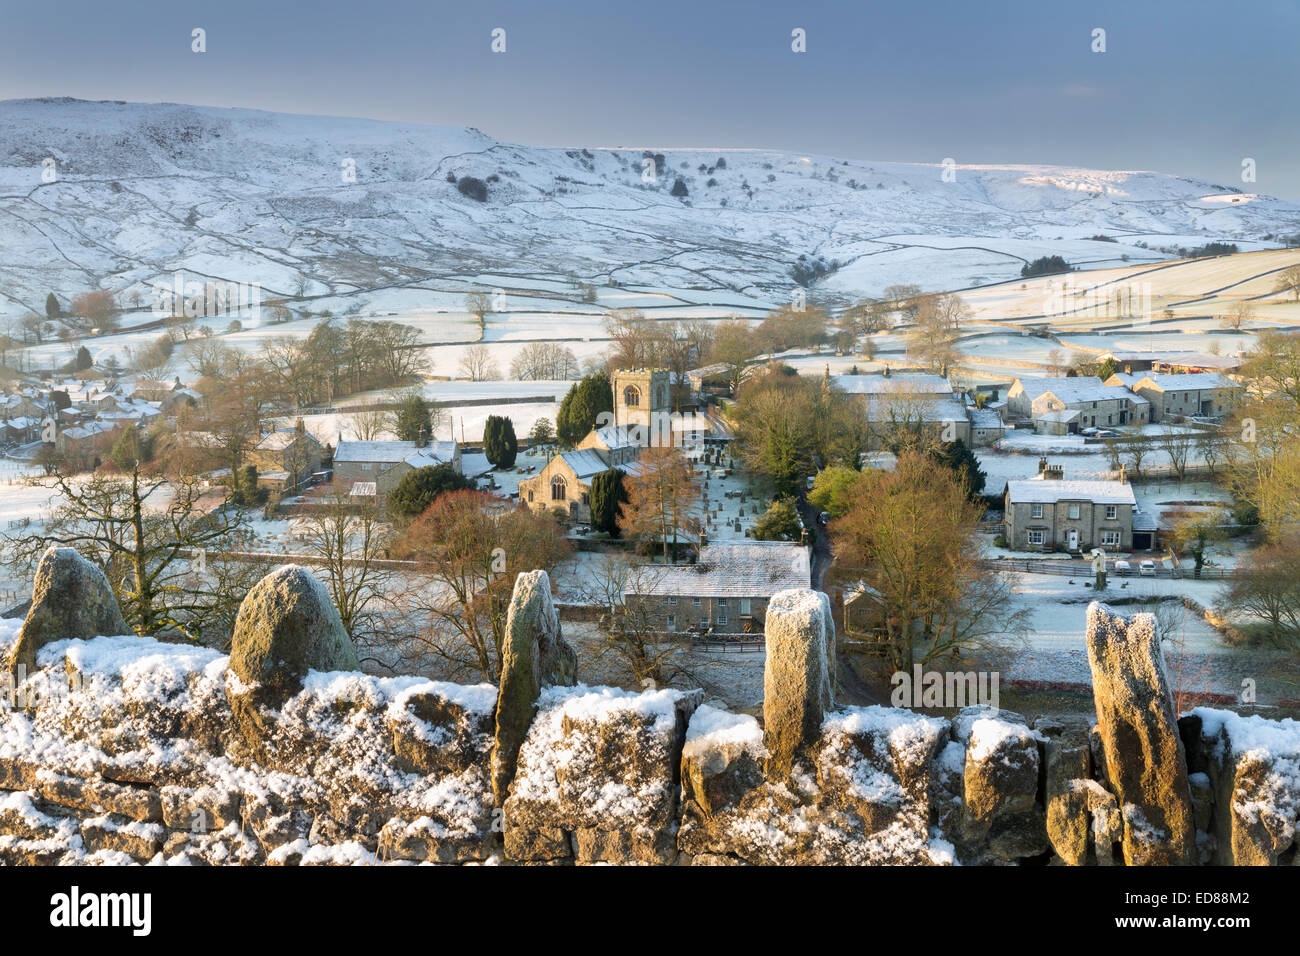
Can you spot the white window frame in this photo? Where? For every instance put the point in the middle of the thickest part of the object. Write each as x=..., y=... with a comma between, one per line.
x=1035, y=511
x=1112, y=512
x=1032, y=533
x=1110, y=539
x=1074, y=511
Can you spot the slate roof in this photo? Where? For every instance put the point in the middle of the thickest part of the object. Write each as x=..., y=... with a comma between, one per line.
x=1084, y=388
x=584, y=462
x=1045, y=491
x=1174, y=382
x=912, y=384
x=392, y=452
x=749, y=569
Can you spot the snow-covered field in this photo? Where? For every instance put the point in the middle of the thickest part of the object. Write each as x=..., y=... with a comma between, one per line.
x=146, y=190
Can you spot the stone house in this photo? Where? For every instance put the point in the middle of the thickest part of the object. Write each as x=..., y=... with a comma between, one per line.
x=385, y=462
x=294, y=451
x=1099, y=404
x=726, y=590
x=1053, y=514
x=1183, y=395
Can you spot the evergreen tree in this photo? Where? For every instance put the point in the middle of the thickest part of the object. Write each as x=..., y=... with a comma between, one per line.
x=418, y=488
x=83, y=360
x=499, y=443
x=542, y=433
x=964, y=465
x=132, y=446
x=413, y=419
x=582, y=406
x=51, y=306
x=607, y=493
x=780, y=522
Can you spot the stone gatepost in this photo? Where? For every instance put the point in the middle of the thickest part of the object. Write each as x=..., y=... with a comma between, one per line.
x=1145, y=761
x=534, y=655
x=797, y=681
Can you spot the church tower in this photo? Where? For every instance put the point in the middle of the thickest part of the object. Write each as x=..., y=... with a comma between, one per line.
x=640, y=395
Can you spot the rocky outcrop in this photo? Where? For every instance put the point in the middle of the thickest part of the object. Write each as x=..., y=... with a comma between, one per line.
x=1145, y=761
x=70, y=599
x=535, y=655
x=796, y=685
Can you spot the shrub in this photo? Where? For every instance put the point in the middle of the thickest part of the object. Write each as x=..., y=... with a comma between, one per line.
x=418, y=489
x=475, y=189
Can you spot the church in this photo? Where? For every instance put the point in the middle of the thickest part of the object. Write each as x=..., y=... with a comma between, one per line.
x=641, y=418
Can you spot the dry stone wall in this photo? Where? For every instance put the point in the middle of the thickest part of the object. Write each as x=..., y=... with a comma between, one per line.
x=118, y=749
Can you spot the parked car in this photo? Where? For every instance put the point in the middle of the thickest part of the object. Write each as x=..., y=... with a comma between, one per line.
x=1123, y=567
x=824, y=517
x=1147, y=569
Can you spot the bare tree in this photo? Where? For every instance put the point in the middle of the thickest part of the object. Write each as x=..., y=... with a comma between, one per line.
x=632, y=634
x=1289, y=281
x=1177, y=443
x=479, y=305
x=933, y=341
x=539, y=361
x=158, y=541
x=372, y=424
x=1237, y=317
x=349, y=540
x=477, y=364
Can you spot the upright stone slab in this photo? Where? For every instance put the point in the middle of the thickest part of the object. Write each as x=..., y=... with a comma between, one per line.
x=535, y=655
x=286, y=626
x=1145, y=761
x=70, y=599
x=832, y=660
x=796, y=687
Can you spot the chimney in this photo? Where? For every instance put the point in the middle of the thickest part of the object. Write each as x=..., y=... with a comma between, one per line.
x=1123, y=473
x=1054, y=472
x=1042, y=465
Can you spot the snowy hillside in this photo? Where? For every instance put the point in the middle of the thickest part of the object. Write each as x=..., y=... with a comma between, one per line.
x=144, y=190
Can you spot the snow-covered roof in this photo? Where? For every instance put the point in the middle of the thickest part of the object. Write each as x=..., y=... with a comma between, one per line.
x=909, y=384
x=985, y=418
x=87, y=430
x=1049, y=491
x=584, y=462
x=1144, y=521
x=746, y=569
x=1062, y=415
x=618, y=436
x=1175, y=382
x=1084, y=388
x=925, y=408
x=278, y=440
x=392, y=452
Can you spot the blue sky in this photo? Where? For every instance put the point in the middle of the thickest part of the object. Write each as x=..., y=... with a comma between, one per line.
x=1188, y=87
